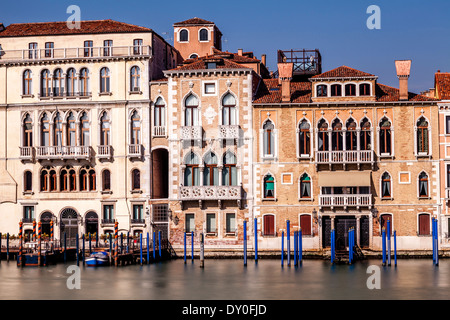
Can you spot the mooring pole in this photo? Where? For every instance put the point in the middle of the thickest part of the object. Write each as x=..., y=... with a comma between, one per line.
x=192, y=246
x=245, y=242
x=332, y=246
x=184, y=247
x=295, y=248
x=84, y=251
x=202, y=253
x=128, y=241
x=20, y=244
x=154, y=246
x=288, y=242
x=90, y=243
x=255, y=229
x=148, y=248
x=7, y=247
x=39, y=243
x=110, y=248
x=389, y=242
x=436, y=243
x=300, y=246
x=383, y=235
x=350, y=246
x=395, y=247
x=78, y=252
x=282, y=248
x=51, y=230
x=159, y=243
x=65, y=247
x=34, y=231
x=140, y=248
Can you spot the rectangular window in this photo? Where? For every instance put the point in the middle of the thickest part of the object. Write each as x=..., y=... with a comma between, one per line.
x=107, y=48
x=269, y=225
x=447, y=124
x=108, y=213
x=230, y=223
x=305, y=224
x=211, y=223
x=210, y=88
x=49, y=49
x=190, y=222
x=33, y=50
x=138, y=212
x=88, y=48
x=137, y=46
x=28, y=213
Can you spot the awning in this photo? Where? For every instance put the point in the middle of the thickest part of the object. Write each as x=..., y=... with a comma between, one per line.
x=345, y=179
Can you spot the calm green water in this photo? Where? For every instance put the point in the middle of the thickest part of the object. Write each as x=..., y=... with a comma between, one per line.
x=229, y=279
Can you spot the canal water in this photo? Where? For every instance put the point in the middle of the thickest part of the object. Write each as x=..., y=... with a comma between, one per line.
x=228, y=279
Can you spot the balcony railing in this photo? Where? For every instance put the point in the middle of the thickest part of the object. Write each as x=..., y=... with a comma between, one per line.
x=64, y=95
x=71, y=53
x=135, y=150
x=26, y=153
x=210, y=193
x=345, y=200
x=159, y=131
x=63, y=152
x=229, y=132
x=344, y=157
x=191, y=133
x=137, y=221
x=104, y=152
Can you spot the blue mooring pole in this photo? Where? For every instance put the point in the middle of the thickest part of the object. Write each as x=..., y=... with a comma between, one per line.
x=245, y=243
x=7, y=247
x=282, y=248
x=288, y=242
x=300, y=246
x=78, y=252
x=148, y=248
x=185, y=247
x=295, y=248
x=395, y=247
x=84, y=251
x=154, y=245
x=255, y=229
x=432, y=239
x=332, y=246
x=159, y=242
x=65, y=247
x=435, y=241
x=140, y=247
x=350, y=246
x=389, y=242
x=192, y=246
x=383, y=235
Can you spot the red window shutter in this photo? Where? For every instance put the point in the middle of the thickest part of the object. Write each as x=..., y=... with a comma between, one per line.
x=269, y=225
x=305, y=224
x=424, y=225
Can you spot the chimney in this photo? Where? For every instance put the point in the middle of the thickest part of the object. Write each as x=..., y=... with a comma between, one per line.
x=240, y=52
x=285, y=72
x=2, y=27
x=403, y=71
x=263, y=59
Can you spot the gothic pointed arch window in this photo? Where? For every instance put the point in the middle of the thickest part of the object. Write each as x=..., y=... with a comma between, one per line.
x=135, y=78
x=84, y=182
x=337, y=135
x=105, y=127
x=105, y=80
x=135, y=180
x=269, y=187
x=53, y=181
x=211, y=171
x=159, y=119
x=84, y=82
x=386, y=186
x=191, y=172
x=365, y=140
x=92, y=180
x=229, y=171
x=305, y=186
x=191, y=111
x=27, y=83
x=84, y=129
x=422, y=136
x=323, y=141
x=71, y=130
x=64, y=180
x=304, y=138
x=45, y=179
x=269, y=139
x=58, y=130
x=45, y=130
x=228, y=110
x=423, y=185
x=135, y=128
x=350, y=135
x=385, y=137
x=28, y=131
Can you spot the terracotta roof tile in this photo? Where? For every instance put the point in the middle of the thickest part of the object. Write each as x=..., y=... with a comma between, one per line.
x=442, y=84
x=343, y=72
x=201, y=63
x=60, y=28
x=193, y=21
x=389, y=94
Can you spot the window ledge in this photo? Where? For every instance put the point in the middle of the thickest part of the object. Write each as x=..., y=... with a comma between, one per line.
x=27, y=96
x=230, y=234
x=106, y=192
x=385, y=156
x=135, y=191
x=269, y=199
x=304, y=157
x=424, y=198
x=387, y=199
x=211, y=234
x=28, y=193
x=134, y=92
x=105, y=93
x=306, y=199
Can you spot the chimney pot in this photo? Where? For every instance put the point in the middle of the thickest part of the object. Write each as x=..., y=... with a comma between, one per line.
x=240, y=52
x=285, y=72
x=263, y=59
x=403, y=72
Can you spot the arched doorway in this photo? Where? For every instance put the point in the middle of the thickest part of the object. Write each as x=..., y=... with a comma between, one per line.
x=69, y=226
x=91, y=220
x=46, y=218
x=160, y=174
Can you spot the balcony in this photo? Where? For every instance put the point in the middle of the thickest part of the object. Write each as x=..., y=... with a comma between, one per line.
x=159, y=131
x=135, y=150
x=230, y=132
x=26, y=153
x=203, y=193
x=31, y=55
x=63, y=153
x=64, y=95
x=345, y=201
x=189, y=133
x=345, y=157
x=104, y=152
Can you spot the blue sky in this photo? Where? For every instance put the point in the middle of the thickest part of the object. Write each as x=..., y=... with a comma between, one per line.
x=414, y=29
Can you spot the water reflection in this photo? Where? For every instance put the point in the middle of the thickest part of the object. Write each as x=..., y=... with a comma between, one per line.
x=229, y=279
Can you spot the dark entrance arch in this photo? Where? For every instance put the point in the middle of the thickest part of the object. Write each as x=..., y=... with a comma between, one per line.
x=160, y=174
x=69, y=226
x=91, y=220
x=46, y=218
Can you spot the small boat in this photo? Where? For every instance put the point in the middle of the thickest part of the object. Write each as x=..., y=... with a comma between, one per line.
x=97, y=259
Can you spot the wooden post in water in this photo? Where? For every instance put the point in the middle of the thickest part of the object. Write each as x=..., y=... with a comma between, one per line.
x=51, y=230
x=148, y=248
x=34, y=231
x=19, y=260
x=90, y=243
x=202, y=250
x=295, y=248
x=288, y=242
x=192, y=245
x=78, y=251
x=154, y=245
x=116, y=243
x=184, y=247
x=300, y=246
x=110, y=247
x=159, y=243
x=83, y=246
x=383, y=236
x=39, y=243
x=140, y=248
x=245, y=242
x=395, y=247
x=255, y=230
x=389, y=242
x=282, y=248
x=65, y=247
x=7, y=247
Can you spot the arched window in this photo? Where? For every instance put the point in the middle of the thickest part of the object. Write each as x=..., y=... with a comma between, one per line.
x=422, y=136
x=27, y=83
x=46, y=83
x=105, y=80
x=336, y=90
x=193, y=56
x=92, y=180
x=71, y=82
x=322, y=90
x=27, y=181
x=184, y=35
x=203, y=35
x=305, y=186
x=385, y=136
x=423, y=185
x=135, y=128
x=364, y=89
x=105, y=129
x=135, y=85
x=45, y=180
x=386, y=186
x=191, y=172
x=228, y=110
x=350, y=139
x=136, y=179
x=72, y=180
x=28, y=131
x=365, y=141
x=191, y=111
x=84, y=130
x=106, y=180
x=229, y=171
x=304, y=138
x=64, y=180
x=269, y=187
x=323, y=135
x=53, y=186
x=424, y=224
x=58, y=83
x=71, y=130
x=337, y=135
x=83, y=180
x=350, y=90
x=211, y=171
x=58, y=130
x=160, y=113
x=84, y=82
x=45, y=130
x=268, y=139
